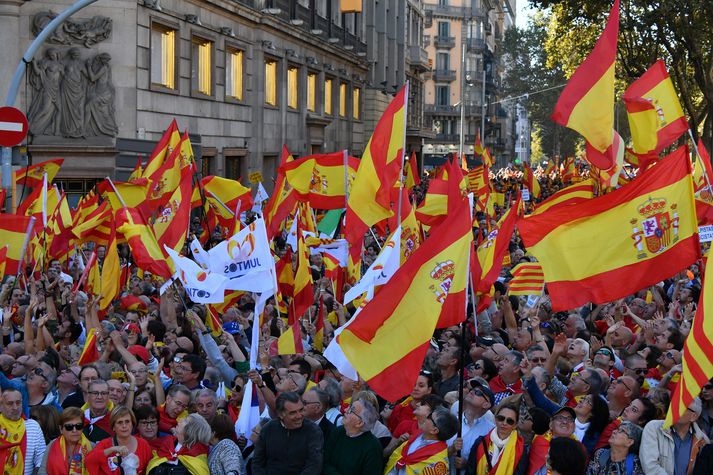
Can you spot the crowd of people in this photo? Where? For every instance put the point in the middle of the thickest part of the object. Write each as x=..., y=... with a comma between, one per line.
x=516, y=389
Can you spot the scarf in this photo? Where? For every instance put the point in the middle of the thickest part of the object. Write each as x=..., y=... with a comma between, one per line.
x=57, y=463
x=194, y=459
x=166, y=422
x=431, y=458
x=101, y=422
x=580, y=428
x=497, y=385
x=538, y=451
x=13, y=446
x=505, y=454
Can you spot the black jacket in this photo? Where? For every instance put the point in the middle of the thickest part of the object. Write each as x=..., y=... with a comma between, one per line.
x=279, y=451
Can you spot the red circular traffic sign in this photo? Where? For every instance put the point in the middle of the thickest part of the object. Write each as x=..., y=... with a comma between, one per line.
x=13, y=126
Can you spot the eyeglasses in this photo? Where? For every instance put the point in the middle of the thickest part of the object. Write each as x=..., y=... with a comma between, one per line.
x=668, y=354
x=621, y=381
x=640, y=370
x=38, y=372
x=179, y=403
x=71, y=427
x=237, y=388
x=177, y=359
x=351, y=411
x=99, y=393
x=148, y=423
x=563, y=419
x=708, y=386
x=507, y=420
x=539, y=360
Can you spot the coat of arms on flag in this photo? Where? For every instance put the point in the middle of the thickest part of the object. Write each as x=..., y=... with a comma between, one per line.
x=657, y=229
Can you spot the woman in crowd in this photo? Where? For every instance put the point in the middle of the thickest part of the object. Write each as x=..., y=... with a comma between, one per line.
x=147, y=426
x=404, y=410
x=122, y=452
x=592, y=417
x=502, y=449
x=567, y=457
x=622, y=456
x=224, y=457
x=67, y=454
x=188, y=447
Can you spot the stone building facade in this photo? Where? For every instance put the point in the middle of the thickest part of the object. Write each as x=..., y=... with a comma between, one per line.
x=241, y=76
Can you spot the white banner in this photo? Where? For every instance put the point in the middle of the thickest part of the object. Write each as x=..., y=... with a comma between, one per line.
x=705, y=233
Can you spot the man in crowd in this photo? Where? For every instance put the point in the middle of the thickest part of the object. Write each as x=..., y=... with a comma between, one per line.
x=352, y=448
x=97, y=424
x=22, y=443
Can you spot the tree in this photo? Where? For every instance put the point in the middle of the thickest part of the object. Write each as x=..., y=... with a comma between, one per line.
x=678, y=31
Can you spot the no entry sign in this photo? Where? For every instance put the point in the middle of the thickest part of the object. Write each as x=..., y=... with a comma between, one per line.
x=13, y=126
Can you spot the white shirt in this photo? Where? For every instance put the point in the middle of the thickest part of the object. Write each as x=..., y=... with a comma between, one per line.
x=35, y=446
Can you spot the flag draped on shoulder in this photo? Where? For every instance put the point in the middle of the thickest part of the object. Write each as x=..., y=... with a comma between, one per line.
x=321, y=179
x=587, y=102
x=609, y=247
x=386, y=341
x=379, y=168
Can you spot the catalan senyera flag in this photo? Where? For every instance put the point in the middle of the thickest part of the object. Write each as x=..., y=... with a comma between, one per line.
x=587, y=102
x=282, y=200
x=655, y=116
x=110, y=273
x=90, y=353
x=611, y=246
x=230, y=299
x=16, y=231
x=697, y=350
x=479, y=185
x=412, y=176
x=571, y=195
x=32, y=175
x=321, y=179
x=530, y=181
x=379, y=168
x=169, y=141
x=383, y=343
x=144, y=249
x=290, y=342
x=94, y=226
x=527, y=279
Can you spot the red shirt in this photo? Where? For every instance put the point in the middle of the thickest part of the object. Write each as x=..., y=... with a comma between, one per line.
x=98, y=463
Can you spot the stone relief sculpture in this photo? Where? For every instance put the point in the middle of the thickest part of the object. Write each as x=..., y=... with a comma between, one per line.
x=83, y=32
x=72, y=98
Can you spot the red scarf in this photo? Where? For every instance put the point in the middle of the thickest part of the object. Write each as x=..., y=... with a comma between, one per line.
x=419, y=455
x=166, y=422
x=497, y=385
x=168, y=450
x=57, y=463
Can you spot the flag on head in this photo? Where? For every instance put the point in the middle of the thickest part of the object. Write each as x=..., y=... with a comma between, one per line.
x=32, y=176
x=169, y=141
x=282, y=201
x=320, y=179
x=412, y=176
x=133, y=304
x=655, y=116
x=570, y=195
x=290, y=342
x=379, y=169
x=527, y=279
x=611, y=246
x=384, y=343
x=587, y=102
x=90, y=353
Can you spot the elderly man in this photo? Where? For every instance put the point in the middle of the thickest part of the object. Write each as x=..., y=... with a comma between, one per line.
x=352, y=448
x=96, y=412
x=316, y=402
x=117, y=392
x=40, y=383
x=477, y=419
x=22, y=443
x=174, y=409
x=206, y=404
x=289, y=444
x=508, y=381
x=87, y=375
x=673, y=450
x=562, y=424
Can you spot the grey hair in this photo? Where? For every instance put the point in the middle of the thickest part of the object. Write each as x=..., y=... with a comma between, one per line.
x=585, y=346
x=634, y=433
x=207, y=392
x=334, y=391
x=696, y=406
x=179, y=388
x=196, y=430
x=368, y=416
x=322, y=397
x=95, y=382
x=531, y=349
x=284, y=398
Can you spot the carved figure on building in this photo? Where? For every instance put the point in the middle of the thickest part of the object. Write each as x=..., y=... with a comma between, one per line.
x=73, y=92
x=72, y=97
x=99, y=112
x=82, y=32
x=45, y=110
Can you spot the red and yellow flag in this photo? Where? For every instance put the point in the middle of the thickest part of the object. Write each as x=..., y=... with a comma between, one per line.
x=165, y=180
x=3, y=261
x=527, y=279
x=134, y=304
x=412, y=176
x=655, y=116
x=137, y=172
x=94, y=226
x=290, y=342
x=174, y=217
x=222, y=196
x=587, y=102
x=15, y=231
x=169, y=141
x=530, y=181
x=321, y=179
x=32, y=176
x=380, y=167
x=282, y=200
x=285, y=276
x=384, y=344
x=609, y=247
x=90, y=353
x=213, y=322
x=110, y=273
x=303, y=295
x=130, y=194
x=570, y=195
x=144, y=249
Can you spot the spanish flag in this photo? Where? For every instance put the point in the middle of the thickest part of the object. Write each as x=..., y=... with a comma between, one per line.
x=16, y=231
x=285, y=276
x=222, y=197
x=137, y=172
x=174, y=217
x=145, y=250
x=571, y=195
x=3, y=261
x=550, y=168
x=412, y=176
x=611, y=246
x=32, y=176
x=131, y=194
x=655, y=116
x=380, y=167
x=527, y=279
x=290, y=342
x=169, y=141
x=95, y=226
x=321, y=179
x=282, y=200
x=567, y=170
x=697, y=353
x=90, y=353
x=303, y=294
x=530, y=181
x=134, y=304
x=110, y=273
x=385, y=344
x=587, y=102
x=166, y=179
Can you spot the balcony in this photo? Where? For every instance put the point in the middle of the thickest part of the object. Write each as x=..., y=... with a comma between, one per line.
x=475, y=45
x=444, y=75
x=470, y=111
x=455, y=138
x=445, y=41
x=450, y=11
x=418, y=58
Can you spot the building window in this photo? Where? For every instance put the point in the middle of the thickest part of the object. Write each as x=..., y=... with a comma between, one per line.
x=311, y=92
x=206, y=165
x=328, y=96
x=443, y=61
x=271, y=82
x=356, y=96
x=232, y=167
x=234, y=74
x=444, y=29
x=202, y=66
x=292, y=85
x=443, y=95
x=163, y=56
x=343, y=99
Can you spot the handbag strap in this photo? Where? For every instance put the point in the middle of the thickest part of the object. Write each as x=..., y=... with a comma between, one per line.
x=119, y=457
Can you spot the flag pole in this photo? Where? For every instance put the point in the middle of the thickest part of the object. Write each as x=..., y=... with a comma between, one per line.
x=346, y=178
x=118, y=195
x=700, y=159
x=403, y=153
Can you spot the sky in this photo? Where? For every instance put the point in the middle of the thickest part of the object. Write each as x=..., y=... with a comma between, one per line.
x=523, y=11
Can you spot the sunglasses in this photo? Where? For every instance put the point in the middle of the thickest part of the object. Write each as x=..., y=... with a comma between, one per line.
x=640, y=370
x=507, y=420
x=71, y=427
x=38, y=372
x=708, y=387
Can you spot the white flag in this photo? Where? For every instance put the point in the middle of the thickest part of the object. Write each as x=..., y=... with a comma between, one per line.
x=260, y=197
x=199, y=254
x=381, y=270
x=200, y=285
x=292, y=235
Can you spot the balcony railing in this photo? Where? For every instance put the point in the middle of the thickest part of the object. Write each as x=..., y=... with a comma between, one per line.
x=452, y=110
x=418, y=57
x=445, y=41
x=444, y=75
x=475, y=45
